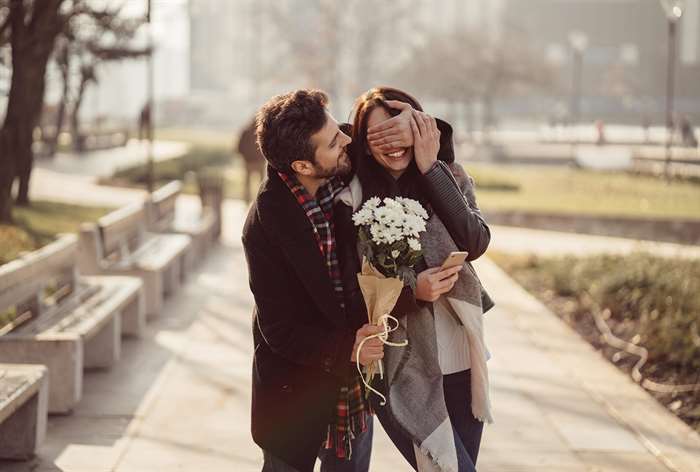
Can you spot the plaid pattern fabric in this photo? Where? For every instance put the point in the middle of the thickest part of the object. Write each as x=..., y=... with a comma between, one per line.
x=352, y=409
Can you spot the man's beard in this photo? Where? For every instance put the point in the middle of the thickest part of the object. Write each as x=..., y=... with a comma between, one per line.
x=342, y=169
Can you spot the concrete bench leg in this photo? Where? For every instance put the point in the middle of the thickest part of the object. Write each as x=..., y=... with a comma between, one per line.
x=154, y=292
x=134, y=317
x=62, y=356
x=185, y=263
x=172, y=276
x=104, y=349
x=23, y=432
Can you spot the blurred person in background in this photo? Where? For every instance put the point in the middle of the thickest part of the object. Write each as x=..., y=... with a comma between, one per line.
x=253, y=160
x=687, y=133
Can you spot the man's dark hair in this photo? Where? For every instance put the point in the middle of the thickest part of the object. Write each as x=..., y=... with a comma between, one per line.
x=285, y=124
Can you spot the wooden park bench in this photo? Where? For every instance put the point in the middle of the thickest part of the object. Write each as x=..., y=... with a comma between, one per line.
x=119, y=244
x=163, y=218
x=24, y=391
x=63, y=320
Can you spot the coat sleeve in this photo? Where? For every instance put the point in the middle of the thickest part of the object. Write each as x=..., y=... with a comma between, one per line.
x=451, y=194
x=307, y=344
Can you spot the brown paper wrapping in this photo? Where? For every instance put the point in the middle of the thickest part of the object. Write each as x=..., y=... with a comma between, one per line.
x=381, y=294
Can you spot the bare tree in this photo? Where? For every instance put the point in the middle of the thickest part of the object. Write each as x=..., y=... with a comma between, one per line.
x=89, y=40
x=466, y=67
x=31, y=27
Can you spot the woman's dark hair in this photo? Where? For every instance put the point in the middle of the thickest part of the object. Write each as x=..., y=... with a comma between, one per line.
x=285, y=124
x=375, y=180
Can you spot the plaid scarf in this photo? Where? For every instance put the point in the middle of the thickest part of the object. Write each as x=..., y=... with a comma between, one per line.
x=352, y=410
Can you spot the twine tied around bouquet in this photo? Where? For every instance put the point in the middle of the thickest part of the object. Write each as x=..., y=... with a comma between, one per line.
x=383, y=336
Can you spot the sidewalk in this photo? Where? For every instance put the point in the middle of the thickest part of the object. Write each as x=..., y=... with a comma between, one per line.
x=179, y=399
x=557, y=243
x=104, y=163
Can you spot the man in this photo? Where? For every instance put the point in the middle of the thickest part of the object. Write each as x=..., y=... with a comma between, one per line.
x=307, y=397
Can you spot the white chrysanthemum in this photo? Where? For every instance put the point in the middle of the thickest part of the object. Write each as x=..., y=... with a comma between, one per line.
x=388, y=216
x=395, y=253
x=414, y=207
x=363, y=217
x=393, y=203
x=413, y=226
x=372, y=203
x=393, y=234
x=414, y=244
x=378, y=233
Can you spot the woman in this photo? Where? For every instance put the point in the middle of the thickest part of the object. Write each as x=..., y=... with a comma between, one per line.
x=437, y=387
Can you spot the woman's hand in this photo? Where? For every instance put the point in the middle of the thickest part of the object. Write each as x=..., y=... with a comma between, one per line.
x=373, y=349
x=395, y=132
x=426, y=140
x=433, y=282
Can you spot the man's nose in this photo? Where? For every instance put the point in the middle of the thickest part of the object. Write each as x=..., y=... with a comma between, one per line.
x=347, y=139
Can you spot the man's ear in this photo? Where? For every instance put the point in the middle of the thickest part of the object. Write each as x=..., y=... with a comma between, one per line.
x=303, y=167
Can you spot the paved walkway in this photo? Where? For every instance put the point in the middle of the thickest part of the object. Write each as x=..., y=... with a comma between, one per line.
x=105, y=162
x=551, y=243
x=179, y=399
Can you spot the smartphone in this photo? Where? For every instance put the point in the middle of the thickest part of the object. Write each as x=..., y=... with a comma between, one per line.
x=455, y=258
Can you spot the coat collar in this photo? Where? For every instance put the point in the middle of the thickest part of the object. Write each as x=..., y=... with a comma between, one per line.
x=286, y=223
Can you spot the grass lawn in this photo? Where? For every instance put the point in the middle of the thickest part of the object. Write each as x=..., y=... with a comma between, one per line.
x=562, y=190
x=38, y=224
x=570, y=190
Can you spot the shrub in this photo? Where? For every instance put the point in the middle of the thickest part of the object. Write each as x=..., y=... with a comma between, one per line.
x=656, y=298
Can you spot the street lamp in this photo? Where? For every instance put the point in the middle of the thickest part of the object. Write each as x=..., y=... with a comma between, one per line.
x=674, y=11
x=579, y=43
x=150, y=175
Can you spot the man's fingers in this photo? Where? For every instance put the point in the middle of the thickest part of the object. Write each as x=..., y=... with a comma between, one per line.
x=399, y=105
x=390, y=147
x=382, y=134
x=368, y=330
x=384, y=125
x=386, y=141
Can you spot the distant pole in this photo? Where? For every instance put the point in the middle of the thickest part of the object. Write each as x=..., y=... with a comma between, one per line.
x=579, y=43
x=674, y=11
x=150, y=177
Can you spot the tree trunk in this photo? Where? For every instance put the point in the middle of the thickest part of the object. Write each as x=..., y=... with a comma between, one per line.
x=7, y=175
x=63, y=104
x=32, y=43
x=78, y=141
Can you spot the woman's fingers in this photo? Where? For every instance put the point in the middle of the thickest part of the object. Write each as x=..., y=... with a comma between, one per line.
x=433, y=125
x=415, y=128
x=421, y=123
x=444, y=274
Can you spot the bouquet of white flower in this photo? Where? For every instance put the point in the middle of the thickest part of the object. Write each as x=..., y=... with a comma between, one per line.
x=389, y=233
x=388, y=239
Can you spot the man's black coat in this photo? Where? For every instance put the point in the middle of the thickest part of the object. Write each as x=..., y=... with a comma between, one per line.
x=303, y=341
